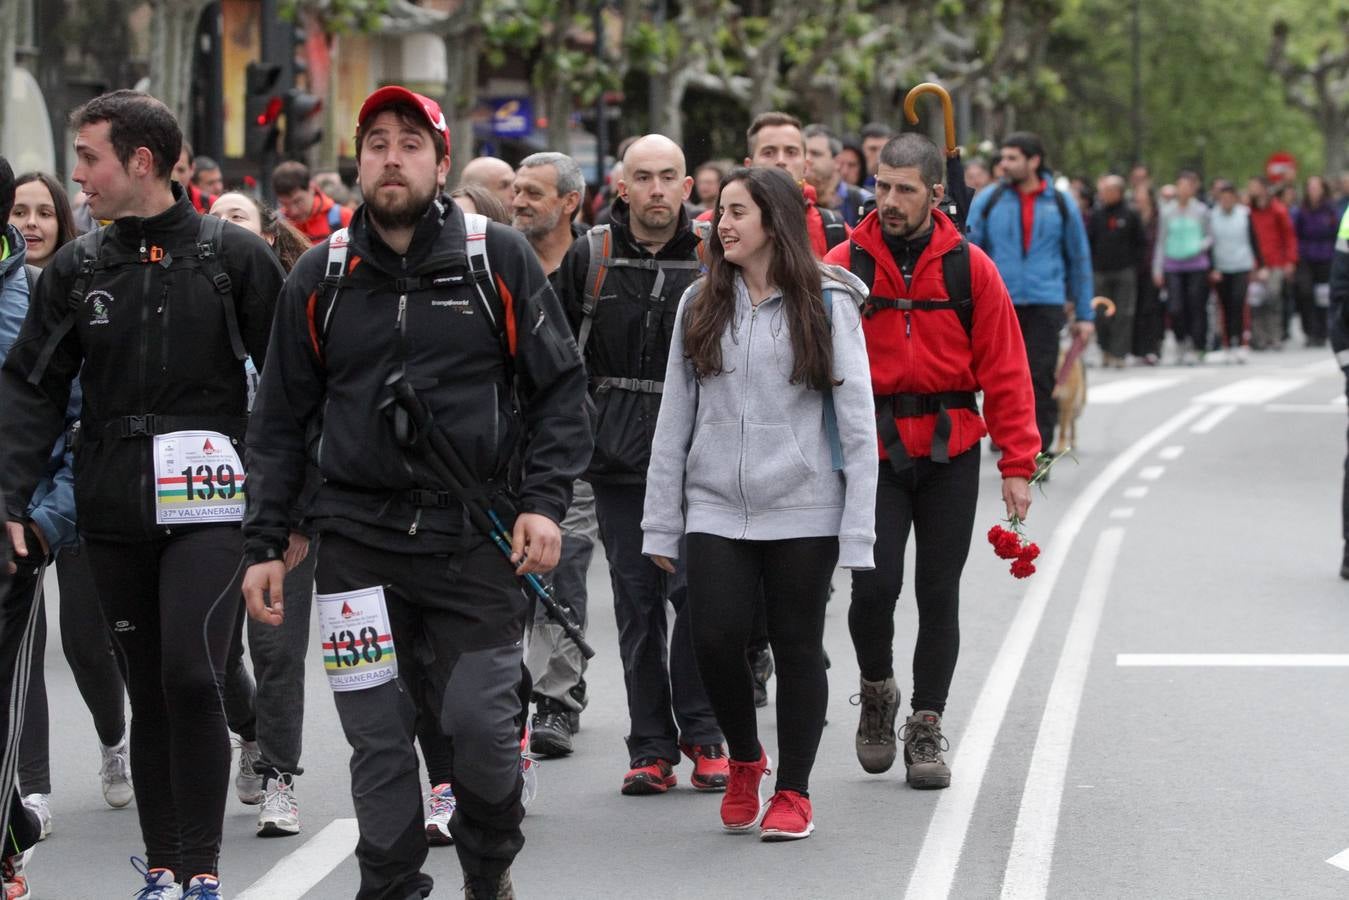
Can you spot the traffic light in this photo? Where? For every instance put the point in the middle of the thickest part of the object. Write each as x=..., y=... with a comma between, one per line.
x=304, y=122
x=262, y=109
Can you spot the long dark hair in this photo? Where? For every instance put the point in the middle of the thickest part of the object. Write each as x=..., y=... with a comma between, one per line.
x=288, y=242
x=65, y=219
x=793, y=271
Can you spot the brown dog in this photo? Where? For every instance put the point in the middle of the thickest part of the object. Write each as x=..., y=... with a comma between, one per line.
x=1070, y=385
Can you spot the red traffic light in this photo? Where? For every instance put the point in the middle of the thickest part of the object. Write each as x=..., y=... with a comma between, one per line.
x=271, y=113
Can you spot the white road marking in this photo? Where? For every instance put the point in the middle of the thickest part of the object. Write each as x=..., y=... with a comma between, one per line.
x=1127, y=389
x=1137, y=492
x=1151, y=473
x=297, y=873
x=1234, y=660
x=1340, y=860
x=1210, y=421
x=1032, y=858
x=939, y=856
x=1324, y=366
x=1122, y=512
x=1171, y=453
x=1251, y=391
x=1337, y=410
x=1339, y=400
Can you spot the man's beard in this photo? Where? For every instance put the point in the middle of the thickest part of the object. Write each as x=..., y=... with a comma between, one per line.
x=540, y=226
x=401, y=213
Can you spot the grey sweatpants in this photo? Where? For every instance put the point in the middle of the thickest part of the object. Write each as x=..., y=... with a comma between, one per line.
x=554, y=661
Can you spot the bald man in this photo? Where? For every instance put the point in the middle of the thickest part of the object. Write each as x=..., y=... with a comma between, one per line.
x=494, y=174
x=623, y=313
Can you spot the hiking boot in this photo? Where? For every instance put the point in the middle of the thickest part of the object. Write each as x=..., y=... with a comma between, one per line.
x=280, y=812
x=550, y=729
x=490, y=887
x=743, y=804
x=788, y=818
x=248, y=784
x=710, y=767
x=923, y=746
x=115, y=773
x=648, y=776
x=160, y=884
x=438, y=818
x=879, y=702
x=761, y=667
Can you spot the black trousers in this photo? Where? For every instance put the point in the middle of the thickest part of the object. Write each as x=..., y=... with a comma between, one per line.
x=1188, y=299
x=937, y=501
x=667, y=703
x=724, y=594
x=1232, y=304
x=1040, y=327
x=20, y=609
x=172, y=605
x=1149, y=317
x=1315, y=324
x=457, y=622
x=1339, y=343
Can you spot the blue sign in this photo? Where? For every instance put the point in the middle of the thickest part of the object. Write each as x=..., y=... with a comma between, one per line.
x=512, y=117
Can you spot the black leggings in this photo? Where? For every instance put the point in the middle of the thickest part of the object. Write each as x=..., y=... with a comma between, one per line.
x=87, y=644
x=1189, y=307
x=172, y=605
x=724, y=578
x=1232, y=304
x=938, y=500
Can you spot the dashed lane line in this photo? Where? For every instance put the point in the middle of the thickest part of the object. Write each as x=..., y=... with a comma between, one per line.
x=297, y=873
x=939, y=857
x=1233, y=660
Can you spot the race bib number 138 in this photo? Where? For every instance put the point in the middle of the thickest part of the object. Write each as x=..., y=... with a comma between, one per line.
x=198, y=478
x=358, y=649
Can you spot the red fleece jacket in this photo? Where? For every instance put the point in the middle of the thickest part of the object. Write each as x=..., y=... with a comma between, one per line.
x=934, y=354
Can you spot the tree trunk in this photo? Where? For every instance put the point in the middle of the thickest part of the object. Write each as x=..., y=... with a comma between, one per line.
x=173, y=27
x=670, y=97
x=463, y=49
x=1335, y=132
x=9, y=26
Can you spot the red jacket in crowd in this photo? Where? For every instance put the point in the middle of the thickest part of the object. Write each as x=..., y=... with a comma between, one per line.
x=1274, y=232
x=931, y=353
x=323, y=220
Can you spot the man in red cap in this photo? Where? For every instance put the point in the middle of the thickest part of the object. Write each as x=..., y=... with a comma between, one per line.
x=422, y=617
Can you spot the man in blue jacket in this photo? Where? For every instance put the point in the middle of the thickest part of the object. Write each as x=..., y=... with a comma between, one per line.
x=1039, y=244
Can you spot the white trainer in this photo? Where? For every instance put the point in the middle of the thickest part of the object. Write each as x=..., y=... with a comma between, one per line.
x=248, y=784
x=115, y=773
x=40, y=806
x=280, y=813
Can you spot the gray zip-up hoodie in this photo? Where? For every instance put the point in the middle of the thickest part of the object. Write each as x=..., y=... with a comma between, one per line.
x=744, y=454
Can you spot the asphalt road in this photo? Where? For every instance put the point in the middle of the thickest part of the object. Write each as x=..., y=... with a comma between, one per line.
x=1112, y=736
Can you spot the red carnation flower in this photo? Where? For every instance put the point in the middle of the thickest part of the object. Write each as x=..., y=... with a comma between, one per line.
x=1008, y=545
x=1023, y=568
x=1030, y=552
x=994, y=533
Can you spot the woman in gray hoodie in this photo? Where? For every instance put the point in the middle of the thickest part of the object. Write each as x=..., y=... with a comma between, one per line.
x=763, y=470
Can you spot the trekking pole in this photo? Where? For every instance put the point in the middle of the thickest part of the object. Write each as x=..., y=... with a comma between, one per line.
x=948, y=111
x=447, y=465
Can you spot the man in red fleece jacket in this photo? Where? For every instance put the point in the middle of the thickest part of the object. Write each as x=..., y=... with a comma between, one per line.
x=1277, y=240
x=776, y=139
x=929, y=355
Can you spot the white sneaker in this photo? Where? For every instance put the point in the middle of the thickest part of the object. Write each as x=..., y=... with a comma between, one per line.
x=160, y=884
x=248, y=784
x=1243, y=355
x=115, y=773
x=280, y=813
x=438, y=819
x=40, y=806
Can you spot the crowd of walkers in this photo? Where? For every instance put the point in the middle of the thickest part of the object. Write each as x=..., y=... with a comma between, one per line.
x=375, y=409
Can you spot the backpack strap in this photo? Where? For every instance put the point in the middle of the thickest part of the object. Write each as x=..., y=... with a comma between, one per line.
x=597, y=240
x=955, y=271
x=830, y=414
x=330, y=288
x=209, y=232
x=835, y=229
x=475, y=248
x=88, y=246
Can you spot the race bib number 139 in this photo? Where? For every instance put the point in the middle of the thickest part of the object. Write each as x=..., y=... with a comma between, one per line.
x=358, y=649
x=198, y=478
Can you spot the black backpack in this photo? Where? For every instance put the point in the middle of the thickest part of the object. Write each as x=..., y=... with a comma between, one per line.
x=955, y=270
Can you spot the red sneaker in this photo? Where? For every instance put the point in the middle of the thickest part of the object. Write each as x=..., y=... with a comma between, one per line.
x=788, y=818
x=710, y=768
x=743, y=804
x=649, y=776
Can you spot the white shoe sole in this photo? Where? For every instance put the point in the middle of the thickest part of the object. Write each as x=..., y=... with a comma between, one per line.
x=277, y=829
x=773, y=834
x=745, y=829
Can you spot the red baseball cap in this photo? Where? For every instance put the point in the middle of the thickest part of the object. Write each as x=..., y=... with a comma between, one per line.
x=387, y=96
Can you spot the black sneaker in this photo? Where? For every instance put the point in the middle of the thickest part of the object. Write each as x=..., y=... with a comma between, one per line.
x=550, y=729
x=494, y=887
x=761, y=667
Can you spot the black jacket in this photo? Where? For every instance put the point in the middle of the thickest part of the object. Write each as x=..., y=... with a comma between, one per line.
x=373, y=490
x=152, y=340
x=1116, y=236
x=629, y=338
